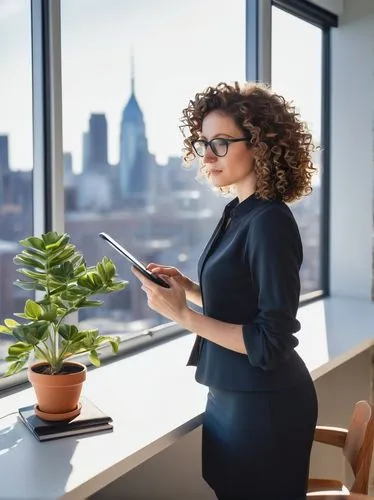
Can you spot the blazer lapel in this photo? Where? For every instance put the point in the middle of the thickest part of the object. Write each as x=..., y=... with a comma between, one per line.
x=209, y=246
x=196, y=349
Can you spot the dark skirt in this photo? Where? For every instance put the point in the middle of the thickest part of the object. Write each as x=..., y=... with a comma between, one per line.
x=256, y=445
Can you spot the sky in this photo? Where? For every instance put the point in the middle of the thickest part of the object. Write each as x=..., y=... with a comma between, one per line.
x=179, y=48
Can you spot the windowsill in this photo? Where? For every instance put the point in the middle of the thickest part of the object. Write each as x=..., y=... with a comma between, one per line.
x=154, y=401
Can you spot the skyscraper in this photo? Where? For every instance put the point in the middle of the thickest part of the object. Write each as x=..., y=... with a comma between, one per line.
x=94, y=186
x=4, y=154
x=95, y=144
x=4, y=165
x=86, y=151
x=98, y=141
x=133, y=164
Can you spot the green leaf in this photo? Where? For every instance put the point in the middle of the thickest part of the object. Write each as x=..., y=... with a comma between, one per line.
x=63, y=255
x=11, y=323
x=89, y=303
x=19, y=348
x=94, y=358
x=78, y=260
x=77, y=337
x=4, y=329
x=114, y=342
x=110, y=268
x=35, y=275
x=11, y=359
x=23, y=260
x=17, y=366
x=33, y=310
x=33, y=242
x=54, y=240
x=67, y=331
x=29, y=285
x=32, y=333
x=90, y=337
x=35, y=253
x=64, y=271
x=116, y=287
x=101, y=271
x=50, y=313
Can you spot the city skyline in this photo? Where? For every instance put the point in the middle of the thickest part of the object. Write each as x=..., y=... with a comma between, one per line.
x=96, y=71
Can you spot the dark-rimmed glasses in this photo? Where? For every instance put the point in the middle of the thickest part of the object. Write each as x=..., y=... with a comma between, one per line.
x=219, y=145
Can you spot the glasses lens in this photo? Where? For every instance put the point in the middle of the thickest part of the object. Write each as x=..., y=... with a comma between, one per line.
x=199, y=147
x=219, y=146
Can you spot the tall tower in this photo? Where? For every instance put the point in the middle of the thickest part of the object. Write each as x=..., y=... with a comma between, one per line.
x=4, y=165
x=133, y=164
x=4, y=154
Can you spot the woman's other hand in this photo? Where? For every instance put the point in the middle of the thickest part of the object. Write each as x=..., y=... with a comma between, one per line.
x=170, y=302
x=191, y=288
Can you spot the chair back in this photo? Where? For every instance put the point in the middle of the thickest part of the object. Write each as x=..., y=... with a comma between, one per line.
x=358, y=446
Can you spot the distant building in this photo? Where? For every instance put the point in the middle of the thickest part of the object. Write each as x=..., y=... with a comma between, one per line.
x=67, y=159
x=70, y=183
x=98, y=142
x=94, y=187
x=95, y=144
x=134, y=156
x=4, y=154
x=86, y=151
x=4, y=166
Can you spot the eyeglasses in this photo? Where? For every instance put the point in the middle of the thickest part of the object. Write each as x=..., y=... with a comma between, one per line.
x=219, y=145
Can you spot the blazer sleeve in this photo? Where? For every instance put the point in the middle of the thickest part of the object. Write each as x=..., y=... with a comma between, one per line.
x=274, y=250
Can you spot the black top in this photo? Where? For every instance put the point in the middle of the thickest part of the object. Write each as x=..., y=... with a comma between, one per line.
x=249, y=275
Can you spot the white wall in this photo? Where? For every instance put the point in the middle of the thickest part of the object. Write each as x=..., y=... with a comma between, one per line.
x=352, y=151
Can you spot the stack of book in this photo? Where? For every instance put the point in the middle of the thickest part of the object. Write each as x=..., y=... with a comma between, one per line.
x=91, y=419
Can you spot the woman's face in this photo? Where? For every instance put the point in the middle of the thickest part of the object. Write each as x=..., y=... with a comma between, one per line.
x=236, y=168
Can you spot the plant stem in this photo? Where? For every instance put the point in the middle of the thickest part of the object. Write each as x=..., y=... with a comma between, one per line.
x=44, y=354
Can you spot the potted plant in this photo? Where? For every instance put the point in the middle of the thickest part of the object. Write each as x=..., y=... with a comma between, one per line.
x=54, y=268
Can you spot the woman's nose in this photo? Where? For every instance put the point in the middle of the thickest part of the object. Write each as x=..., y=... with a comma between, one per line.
x=209, y=156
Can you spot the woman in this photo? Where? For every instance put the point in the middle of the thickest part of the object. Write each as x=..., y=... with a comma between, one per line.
x=262, y=408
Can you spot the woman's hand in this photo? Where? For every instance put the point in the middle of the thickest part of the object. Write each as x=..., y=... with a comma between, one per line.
x=172, y=272
x=191, y=288
x=170, y=302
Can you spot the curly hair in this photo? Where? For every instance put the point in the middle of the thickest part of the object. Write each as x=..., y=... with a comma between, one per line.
x=280, y=140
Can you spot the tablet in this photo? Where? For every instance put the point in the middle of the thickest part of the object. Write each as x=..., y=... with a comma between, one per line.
x=139, y=266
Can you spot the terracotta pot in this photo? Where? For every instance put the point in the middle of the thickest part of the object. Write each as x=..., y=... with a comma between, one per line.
x=58, y=395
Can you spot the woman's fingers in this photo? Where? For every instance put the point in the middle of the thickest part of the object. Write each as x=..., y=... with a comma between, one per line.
x=152, y=266
x=167, y=270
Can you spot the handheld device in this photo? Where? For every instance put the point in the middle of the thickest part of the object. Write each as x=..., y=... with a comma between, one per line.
x=139, y=266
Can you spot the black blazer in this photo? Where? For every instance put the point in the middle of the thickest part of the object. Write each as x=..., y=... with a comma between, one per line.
x=249, y=275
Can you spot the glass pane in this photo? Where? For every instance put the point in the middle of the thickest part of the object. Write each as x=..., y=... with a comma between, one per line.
x=128, y=71
x=16, y=154
x=297, y=74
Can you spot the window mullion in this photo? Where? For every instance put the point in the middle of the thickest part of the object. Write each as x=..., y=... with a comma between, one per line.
x=48, y=192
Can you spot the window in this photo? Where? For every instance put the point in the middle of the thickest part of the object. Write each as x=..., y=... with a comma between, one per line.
x=296, y=68
x=16, y=151
x=128, y=71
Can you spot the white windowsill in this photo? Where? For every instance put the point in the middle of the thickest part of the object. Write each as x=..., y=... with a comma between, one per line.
x=153, y=400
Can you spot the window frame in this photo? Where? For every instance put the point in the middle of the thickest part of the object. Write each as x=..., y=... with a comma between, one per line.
x=259, y=17
x=48, y=186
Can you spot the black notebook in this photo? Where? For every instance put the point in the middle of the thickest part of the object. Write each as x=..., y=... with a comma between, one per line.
x=90, y=419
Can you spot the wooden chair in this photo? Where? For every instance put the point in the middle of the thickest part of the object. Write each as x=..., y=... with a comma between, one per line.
x=357, y=444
